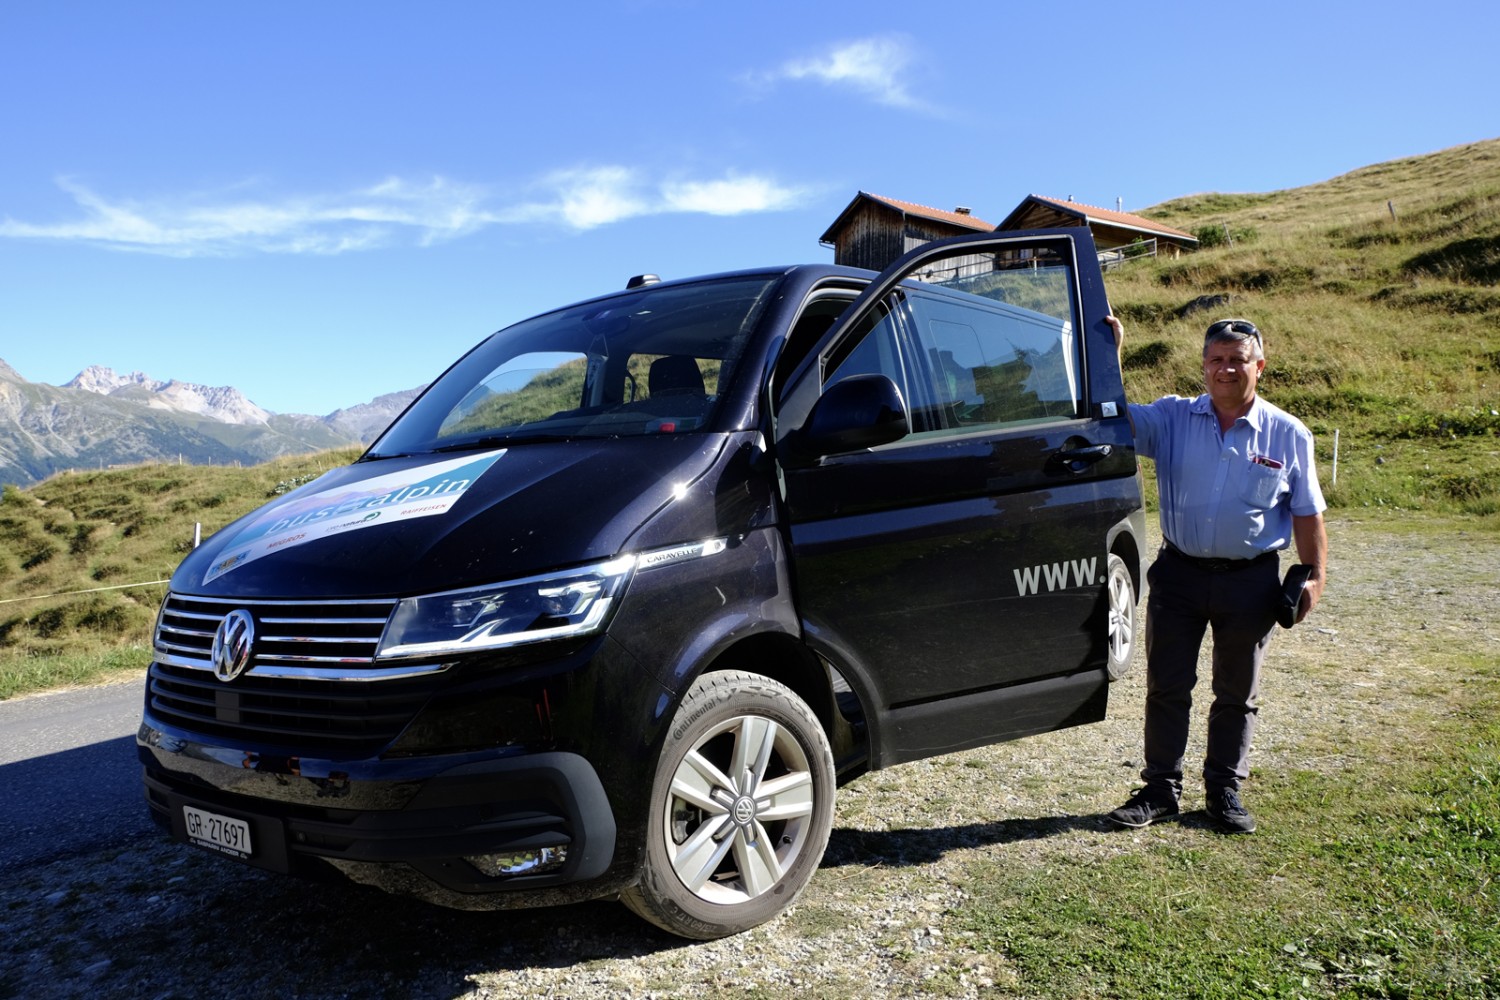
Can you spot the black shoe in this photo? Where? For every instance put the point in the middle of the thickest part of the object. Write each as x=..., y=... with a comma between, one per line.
x=1228, y=813
x=1144, y=808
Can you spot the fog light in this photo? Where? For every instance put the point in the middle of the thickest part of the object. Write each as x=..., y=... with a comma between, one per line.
x=530, y=862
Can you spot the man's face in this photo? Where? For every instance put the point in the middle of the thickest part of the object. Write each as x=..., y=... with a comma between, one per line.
x=1230, y=372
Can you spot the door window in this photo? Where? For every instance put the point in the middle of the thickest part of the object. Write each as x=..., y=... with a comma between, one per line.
x=994, y=343
x=974, y=342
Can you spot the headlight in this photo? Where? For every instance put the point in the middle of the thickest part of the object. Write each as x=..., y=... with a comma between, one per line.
x=554, y=606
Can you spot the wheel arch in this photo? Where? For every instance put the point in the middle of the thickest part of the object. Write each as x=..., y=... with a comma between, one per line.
x=787, y=660
x=1127, y=540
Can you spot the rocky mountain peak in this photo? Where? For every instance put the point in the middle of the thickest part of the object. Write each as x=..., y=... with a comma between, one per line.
x=46, y=428
x=102, y=380
x=224, y=403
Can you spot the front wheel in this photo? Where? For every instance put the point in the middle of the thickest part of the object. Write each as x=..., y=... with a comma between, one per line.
x=741, y=809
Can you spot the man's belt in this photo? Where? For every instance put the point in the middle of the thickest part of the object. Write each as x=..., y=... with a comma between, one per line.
x=1209, y=565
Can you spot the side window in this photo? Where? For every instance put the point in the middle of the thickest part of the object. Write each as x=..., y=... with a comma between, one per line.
x=979, y=334
x=878, y=350
x=875, y=352
x=806, y=334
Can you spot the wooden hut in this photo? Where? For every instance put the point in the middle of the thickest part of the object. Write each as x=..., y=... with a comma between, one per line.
x=873, y=231
x=1117, y=235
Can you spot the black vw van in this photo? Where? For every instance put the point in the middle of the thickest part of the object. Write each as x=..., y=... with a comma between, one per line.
x=618, y=602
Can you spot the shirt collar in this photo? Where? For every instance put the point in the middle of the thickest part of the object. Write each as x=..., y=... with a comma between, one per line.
x=1255, y=418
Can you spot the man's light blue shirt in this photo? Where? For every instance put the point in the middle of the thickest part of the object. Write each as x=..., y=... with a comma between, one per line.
x=1229, y=496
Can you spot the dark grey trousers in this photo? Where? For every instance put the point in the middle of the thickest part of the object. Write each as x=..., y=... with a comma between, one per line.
x=1186, y=600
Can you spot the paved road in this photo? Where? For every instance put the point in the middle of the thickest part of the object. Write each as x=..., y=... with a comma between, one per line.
x=69, y=781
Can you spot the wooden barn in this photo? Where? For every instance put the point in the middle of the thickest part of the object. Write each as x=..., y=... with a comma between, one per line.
x=873, y=230
x=1117, y=235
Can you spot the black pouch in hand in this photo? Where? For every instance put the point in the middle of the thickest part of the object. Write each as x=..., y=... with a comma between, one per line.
x=1292, y=587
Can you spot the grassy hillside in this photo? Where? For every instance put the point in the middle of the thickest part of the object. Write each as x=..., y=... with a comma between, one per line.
x=1385, y=329
x=80, y=554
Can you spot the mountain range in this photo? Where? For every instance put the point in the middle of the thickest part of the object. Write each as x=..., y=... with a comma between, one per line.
x=102, y=418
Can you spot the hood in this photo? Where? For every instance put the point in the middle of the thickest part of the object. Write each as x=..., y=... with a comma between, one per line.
x=430, y=523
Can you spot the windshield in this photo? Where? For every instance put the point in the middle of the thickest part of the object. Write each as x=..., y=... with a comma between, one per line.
x=650, y=361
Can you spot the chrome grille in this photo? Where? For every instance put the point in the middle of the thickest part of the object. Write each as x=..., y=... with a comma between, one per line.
x=312, y=684
x=329, y=640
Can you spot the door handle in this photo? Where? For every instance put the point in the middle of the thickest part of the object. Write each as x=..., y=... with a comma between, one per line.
x=1079, y=459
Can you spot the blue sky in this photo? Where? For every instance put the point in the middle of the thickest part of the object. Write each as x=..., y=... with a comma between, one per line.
x=320, y=202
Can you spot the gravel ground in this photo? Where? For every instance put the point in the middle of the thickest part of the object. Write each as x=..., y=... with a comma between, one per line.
x=883, y=914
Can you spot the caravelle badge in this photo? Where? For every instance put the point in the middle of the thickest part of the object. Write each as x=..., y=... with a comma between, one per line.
x=232, y=641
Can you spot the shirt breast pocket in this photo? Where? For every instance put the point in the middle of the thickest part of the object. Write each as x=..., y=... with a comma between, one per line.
x=1262, y=485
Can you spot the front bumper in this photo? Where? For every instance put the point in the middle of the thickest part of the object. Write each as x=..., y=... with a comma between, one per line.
x=431, y=827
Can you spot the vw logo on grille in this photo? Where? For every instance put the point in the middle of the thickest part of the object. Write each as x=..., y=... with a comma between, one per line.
x=231, y=650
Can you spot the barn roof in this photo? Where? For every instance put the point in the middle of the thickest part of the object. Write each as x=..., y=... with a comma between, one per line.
x=1039, y=212
x=963, y=219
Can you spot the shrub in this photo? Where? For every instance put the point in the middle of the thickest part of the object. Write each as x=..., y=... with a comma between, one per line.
x=1220, y=234
x=39, y=553
x=112, y=617
x=1473, y=422
x=1288, y=276
x=83, y=541
x=1476, y=260
x=1150, y=355
x=1143, y=313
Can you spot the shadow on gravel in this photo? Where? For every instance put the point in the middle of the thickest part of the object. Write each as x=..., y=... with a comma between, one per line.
x=66, y=804
x=255, y=935
x=924, y=845
x=148, y=918
x=160, y=920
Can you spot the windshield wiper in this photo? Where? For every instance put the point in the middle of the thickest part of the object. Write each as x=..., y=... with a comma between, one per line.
x=493, y=440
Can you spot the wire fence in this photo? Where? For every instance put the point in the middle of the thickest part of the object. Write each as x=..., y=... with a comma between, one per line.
x=1113, y=258
x=77, y=593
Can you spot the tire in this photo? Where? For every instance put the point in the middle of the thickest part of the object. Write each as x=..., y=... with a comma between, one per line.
x=1122, y=618
x=719, y=860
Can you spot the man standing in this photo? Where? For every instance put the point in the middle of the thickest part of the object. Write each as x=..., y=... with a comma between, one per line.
x=1237, y=484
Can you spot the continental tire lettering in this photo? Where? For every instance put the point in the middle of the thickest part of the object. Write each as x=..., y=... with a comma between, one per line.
x=698, y=712
x=1030, y=579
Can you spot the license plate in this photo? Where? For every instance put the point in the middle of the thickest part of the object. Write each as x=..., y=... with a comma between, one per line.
x=217, y=833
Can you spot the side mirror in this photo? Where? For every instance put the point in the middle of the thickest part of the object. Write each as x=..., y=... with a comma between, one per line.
x=861, y=411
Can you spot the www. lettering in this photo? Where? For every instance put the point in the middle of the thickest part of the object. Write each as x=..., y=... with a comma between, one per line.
x=1055, y=576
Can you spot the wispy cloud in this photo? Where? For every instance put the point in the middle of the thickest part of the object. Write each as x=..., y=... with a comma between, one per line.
x=877, y=68
x=587, y=198
x=395, y=211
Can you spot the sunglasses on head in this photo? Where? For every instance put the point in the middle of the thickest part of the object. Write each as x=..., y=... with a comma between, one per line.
x=1239, y=327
